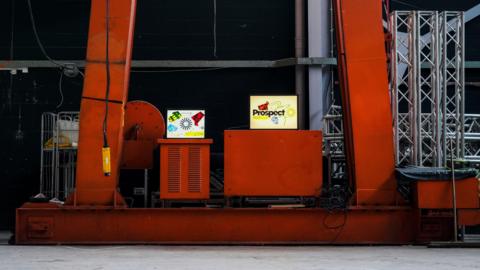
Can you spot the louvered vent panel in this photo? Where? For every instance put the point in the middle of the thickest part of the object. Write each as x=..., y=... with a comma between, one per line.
x=194, y=178
x=185, y=169
x=174, y=169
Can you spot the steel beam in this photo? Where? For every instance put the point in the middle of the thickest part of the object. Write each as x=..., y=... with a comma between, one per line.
x=42, y=224
x=286, y=62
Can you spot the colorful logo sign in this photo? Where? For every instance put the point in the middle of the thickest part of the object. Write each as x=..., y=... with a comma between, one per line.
x=185, y=124
x=273, y=112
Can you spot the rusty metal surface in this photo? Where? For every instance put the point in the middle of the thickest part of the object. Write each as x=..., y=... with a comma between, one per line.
x=273, y=163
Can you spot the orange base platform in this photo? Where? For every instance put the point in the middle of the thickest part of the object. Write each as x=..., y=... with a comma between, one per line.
x=47, y=224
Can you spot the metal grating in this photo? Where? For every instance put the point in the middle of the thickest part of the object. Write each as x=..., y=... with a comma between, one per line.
x=174, y=184
x=194, y=177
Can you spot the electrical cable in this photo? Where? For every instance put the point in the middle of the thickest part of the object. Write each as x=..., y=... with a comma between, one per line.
x=39, y=43
x=60, y=90
x=407, y=4
x=37, y=37
x=330, y=212
x=106, y=148
x=68, y=69
x=336, y=204
x=12, y=30
x=215, y=28
x=338, y=227
x=9, y=92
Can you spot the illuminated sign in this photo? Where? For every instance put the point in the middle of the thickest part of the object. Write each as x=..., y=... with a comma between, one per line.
x=185, y=124
x=273, y=112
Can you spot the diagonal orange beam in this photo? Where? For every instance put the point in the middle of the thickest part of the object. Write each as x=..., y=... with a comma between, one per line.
x=363, y=77
x=93, y=187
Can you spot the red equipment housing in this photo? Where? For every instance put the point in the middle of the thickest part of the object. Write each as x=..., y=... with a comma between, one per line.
x=273, y=163
x=185, y=168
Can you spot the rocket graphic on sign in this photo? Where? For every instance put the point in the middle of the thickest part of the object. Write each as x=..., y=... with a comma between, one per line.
x=197, y=117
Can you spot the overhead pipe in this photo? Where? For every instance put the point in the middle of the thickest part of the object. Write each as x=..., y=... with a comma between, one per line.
x=320, y=33
x=300, y=52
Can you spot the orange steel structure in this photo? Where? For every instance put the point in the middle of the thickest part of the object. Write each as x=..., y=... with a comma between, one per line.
x=363, y=76
x=92, y=186
x=96, y=213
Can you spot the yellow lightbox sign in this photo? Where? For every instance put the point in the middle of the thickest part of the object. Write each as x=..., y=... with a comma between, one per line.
x=273, y=112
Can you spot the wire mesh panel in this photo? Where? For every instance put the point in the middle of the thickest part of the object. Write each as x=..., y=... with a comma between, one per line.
x=47, y=154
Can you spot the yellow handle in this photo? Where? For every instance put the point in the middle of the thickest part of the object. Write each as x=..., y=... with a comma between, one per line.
x=106, y=160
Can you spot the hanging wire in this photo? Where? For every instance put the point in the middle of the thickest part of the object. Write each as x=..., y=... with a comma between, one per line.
x=406, y=3
x=37, y=37
x=107, y=69
x=12, y=37
x=215, y=28
x=68, y=69
x=60, y=80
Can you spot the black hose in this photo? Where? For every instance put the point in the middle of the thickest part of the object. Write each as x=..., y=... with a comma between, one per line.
x=107, y=67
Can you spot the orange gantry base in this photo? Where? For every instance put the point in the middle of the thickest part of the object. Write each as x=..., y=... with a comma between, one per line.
x=50, y=224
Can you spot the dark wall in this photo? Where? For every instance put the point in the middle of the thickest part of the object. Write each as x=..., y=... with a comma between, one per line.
x=165, y=29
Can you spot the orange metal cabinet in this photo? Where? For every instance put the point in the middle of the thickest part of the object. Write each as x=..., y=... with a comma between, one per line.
x=438, y=194
x=273, y=163
x=185, y=168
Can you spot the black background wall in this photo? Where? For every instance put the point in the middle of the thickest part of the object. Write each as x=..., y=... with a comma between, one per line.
x=165, y=29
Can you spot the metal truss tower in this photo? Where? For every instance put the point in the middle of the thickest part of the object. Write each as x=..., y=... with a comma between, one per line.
x=427, y=86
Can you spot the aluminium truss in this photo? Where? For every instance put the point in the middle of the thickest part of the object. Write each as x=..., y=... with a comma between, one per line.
x=453, y=81
x=472, y=137
x=427, y=86
x=334, y=148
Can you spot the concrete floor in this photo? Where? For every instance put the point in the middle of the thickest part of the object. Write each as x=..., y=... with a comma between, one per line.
x=235, y=257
